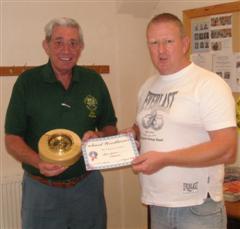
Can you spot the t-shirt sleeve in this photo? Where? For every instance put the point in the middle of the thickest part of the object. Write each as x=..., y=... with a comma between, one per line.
x=217, y=105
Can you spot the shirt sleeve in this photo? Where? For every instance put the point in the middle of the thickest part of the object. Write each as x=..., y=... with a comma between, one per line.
x=107, y=116
x=15, y=121
x=217, y=105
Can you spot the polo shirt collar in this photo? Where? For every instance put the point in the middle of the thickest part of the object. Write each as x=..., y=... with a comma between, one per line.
x=49, y=75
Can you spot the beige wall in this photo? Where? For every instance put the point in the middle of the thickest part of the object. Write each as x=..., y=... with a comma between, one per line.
x=113, y=38
x=110, y=38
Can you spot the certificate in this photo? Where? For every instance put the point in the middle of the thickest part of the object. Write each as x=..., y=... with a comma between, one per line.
x=109, y=152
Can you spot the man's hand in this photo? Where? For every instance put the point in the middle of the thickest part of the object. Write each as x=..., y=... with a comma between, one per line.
x=148, y=163
x=91, y=134
x=104, y=132
x=50, y=170
x=134, y=133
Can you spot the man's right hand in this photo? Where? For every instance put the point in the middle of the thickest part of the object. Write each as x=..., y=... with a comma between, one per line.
x=49, y=169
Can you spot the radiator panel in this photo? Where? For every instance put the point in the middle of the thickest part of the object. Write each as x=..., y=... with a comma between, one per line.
x=11, y=194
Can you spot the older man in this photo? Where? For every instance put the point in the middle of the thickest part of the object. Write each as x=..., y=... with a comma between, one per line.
x=59, y=94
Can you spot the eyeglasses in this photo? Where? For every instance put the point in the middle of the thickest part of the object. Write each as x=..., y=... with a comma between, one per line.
x=72, y=44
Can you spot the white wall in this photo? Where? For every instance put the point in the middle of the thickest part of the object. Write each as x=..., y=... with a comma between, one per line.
x=112, y=38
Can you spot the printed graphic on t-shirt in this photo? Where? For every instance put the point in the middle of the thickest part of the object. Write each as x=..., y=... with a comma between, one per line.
x=153, y=121
x=190, y=187
x=163, y=101
x=152, y=113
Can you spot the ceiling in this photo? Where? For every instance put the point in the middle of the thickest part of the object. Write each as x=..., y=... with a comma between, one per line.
x=137, y=8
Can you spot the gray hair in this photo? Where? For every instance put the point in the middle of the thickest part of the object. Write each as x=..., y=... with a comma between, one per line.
x=64, y=21
x=167, y=17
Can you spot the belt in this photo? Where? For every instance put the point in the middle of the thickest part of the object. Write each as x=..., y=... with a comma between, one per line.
x=60, y=184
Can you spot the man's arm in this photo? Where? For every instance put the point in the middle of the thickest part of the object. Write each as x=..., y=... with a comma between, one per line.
x=17, y=148
x=20, y=150
x=221, y=149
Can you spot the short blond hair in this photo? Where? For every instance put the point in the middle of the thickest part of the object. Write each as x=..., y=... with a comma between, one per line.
x=167, y=17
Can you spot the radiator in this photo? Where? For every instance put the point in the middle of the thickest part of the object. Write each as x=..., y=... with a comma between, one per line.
x=11, y=192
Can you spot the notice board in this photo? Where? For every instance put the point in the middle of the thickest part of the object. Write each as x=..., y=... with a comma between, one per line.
x=215, y=40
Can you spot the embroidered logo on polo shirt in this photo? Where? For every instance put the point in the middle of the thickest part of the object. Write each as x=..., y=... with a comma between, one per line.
x=91, y=104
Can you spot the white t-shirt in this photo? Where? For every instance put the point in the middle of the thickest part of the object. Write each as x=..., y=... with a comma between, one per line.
x=175, y=112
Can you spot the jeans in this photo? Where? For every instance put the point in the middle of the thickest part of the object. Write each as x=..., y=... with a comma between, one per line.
x=209, y=215
x=80, y=207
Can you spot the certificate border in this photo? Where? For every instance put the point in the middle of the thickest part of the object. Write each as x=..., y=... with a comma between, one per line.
x=101, y=167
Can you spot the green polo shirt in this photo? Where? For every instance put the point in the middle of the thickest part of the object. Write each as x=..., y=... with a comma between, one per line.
x=40, y=103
